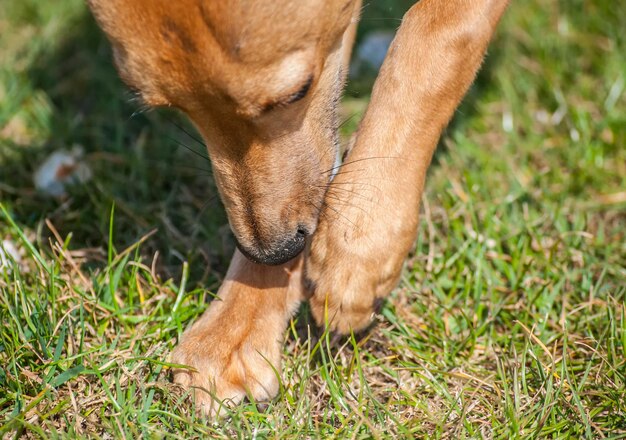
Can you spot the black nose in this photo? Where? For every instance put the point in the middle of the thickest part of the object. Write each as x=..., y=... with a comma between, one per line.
x=280, y=253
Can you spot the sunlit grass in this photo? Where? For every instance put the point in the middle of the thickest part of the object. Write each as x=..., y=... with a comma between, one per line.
x=509, y=320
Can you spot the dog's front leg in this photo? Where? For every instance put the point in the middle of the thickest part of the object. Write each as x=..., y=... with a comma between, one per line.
x=370, y=217
x=234, y=349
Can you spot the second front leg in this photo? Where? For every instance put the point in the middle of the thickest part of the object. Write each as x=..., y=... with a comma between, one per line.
x=234, y=350
x=369, y=220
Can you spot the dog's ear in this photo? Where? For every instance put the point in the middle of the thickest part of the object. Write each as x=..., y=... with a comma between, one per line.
x=104, y=11
x=119, y=21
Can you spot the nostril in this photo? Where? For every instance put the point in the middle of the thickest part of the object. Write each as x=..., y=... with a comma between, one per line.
x=280, y=252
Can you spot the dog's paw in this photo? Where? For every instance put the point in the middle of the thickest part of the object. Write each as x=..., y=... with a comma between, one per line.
x=224, y=368
x=348, y=282
x=234, y=350
x=226, y=365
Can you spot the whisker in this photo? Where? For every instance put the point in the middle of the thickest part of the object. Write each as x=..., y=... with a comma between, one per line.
x=376, y=179
x=381, y=19
x=139, y=111
x=346, y=191
x=325, y=205
x=338, y=173
x=189, y=148
x=358, y=160
x=346, y=196
x=347, y=204
x=335, y=183
x=135, y=98
x=319, y=209
x=191, y=167
x=184, y=130
x=349, y=118
x=322, y=212
x=204, y=207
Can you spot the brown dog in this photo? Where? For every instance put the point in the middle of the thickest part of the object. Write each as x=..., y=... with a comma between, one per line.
x=261, y=80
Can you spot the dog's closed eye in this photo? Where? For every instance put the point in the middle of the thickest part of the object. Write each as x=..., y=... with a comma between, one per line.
x=290, y=99
x=300, y=93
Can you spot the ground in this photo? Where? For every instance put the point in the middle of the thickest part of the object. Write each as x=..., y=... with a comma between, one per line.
x=509, y=321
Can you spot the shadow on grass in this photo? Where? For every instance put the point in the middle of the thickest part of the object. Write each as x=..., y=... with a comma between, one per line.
x=137, y=160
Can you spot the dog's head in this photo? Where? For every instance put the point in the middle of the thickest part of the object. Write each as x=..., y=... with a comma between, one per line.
x=260, y=79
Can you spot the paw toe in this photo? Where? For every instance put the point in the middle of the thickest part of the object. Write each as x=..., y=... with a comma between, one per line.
x=216, y=383
x=344, y=317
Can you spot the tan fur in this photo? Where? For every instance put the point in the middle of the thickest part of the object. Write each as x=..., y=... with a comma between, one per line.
x=234, y=349
x=229, y=66
x=361, y=243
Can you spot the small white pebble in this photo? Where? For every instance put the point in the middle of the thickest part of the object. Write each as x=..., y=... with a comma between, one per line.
x=60, y=169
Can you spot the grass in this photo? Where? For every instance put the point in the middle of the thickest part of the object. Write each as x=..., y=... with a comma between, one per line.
x=510, y=318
